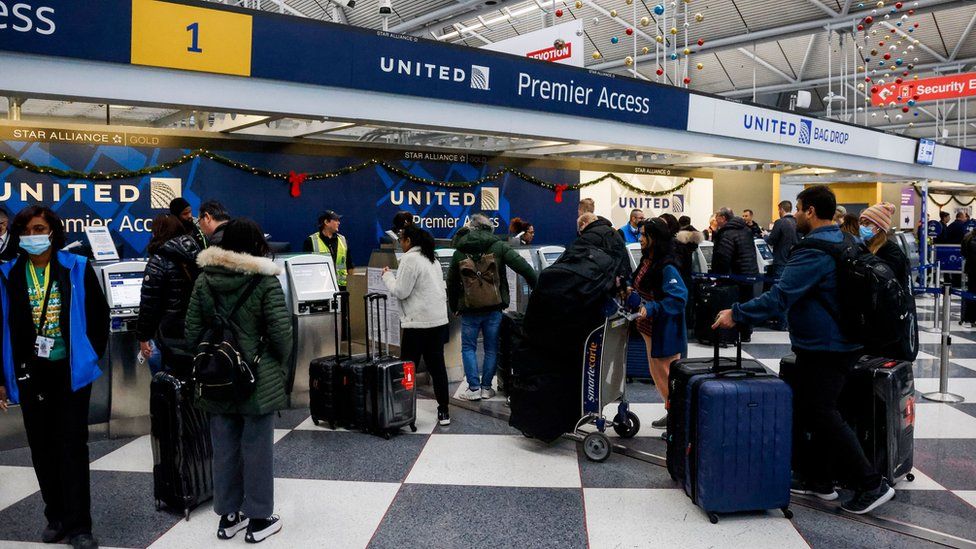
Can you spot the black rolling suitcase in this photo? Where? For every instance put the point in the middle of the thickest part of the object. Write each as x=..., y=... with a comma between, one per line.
x=325, y=373
x=680, y=374
x=511, y=341
x=182, y=451
x=711, y=298
x=391, y=392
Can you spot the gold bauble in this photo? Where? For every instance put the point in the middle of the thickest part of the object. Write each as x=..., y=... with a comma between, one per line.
x=579, y=5
x=674, y=30
x=628, y=60
x=597, y=55
x=700, y=66
x=687, y=51
x=646, y=50
x=645, y=21
x=629, y=2
x=613, y=13
x=659, y=38
x=699, y=17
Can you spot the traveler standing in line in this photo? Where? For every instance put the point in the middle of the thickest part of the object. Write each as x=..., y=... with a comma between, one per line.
x=419, y=286
x=850, y=225
x=166, y=287
x=243, y=431
x=55, y=330
x=712, y=229
x=735, y=253
x=662, y=318
x=747, y=216
x=8, y=245
x=944, y=219
x=825, y=447
x=839, y=214
x=327, y=240
x=520, y=232
x=586, y=205
x=213, y=219
x=401, y=220
x=484, y=316
x=954, y=232
x=631, y=232
x=180, y=208
x=782, y=238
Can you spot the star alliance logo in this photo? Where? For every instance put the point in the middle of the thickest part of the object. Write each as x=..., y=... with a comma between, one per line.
x=480, y=77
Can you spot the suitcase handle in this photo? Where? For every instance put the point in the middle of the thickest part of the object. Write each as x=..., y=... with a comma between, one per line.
x=373, y=323
x=341, y=299
x=738, y=353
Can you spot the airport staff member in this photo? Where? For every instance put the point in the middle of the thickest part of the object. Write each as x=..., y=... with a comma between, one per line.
x=328, y=240
x=8, y=246
x=182, y=210
x=631, y=232
x=55, y=330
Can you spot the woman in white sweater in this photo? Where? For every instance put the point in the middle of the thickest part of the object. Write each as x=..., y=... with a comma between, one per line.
x=419, y=285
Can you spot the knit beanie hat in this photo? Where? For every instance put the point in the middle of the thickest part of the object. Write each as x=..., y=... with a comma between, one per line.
x=879, y=215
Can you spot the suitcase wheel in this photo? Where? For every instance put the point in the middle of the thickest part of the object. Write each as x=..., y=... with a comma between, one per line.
x=788, y=513
x=387, y=435
x=158, y=506
x=315, y=421
x=333, y=425
x=413, y=427
x=626, y=429
x=186, y=515
x=910, y=477
x=596, y=447
x=713, y=518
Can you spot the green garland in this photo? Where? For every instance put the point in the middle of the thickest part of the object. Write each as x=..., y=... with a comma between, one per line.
x=952, y=198
x=318, y=176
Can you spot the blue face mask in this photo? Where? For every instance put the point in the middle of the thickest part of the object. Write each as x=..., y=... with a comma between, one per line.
x=35, y=244
x=866, y=233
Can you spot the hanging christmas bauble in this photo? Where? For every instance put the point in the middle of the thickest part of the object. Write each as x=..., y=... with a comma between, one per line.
x=659, y=71
x=674, y=30
x=613, y=13
x=700, y=66
x=659, y=39
x=614, y=40
x=699, y=17
x=658, y=9
x=579, y=5
x=645, y=21
x=911, y=102
x=628, y=60
x=674, y=57
x=868, y=20
x=597, y=55
x=687, y=80
x=701, y=41
x=645, y=50
x=687, y=51
x=559, y=13
x=629, y=31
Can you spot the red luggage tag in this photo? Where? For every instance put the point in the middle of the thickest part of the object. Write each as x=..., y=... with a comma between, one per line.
x=909, y=415
x=408, y=376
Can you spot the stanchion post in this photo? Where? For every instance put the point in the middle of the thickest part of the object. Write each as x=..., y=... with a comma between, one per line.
x=937, y=315
x=943, y=394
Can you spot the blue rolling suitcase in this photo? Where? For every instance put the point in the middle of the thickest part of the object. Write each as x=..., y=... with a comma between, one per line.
x=738, y=425
x=637, y=365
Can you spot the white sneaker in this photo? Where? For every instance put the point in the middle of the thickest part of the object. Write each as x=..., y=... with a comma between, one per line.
x=487, y=393
x=470, y=395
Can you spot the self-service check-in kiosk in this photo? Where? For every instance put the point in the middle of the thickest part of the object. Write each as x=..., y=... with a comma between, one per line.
x=764, y=258
x=310, y=287
x=635, y=253
x=127, y=379
x=547, y=255
x=518, y=288
x=452, y=350
x=909, y=245
x=702, y=260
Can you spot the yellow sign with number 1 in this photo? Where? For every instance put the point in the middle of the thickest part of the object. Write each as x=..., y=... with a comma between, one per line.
x=191, y=38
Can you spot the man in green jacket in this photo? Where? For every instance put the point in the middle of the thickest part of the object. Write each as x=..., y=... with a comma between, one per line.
x=473, y=242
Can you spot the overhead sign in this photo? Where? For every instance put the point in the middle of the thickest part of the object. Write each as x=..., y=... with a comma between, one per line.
x=927, y=89
x=559, y=44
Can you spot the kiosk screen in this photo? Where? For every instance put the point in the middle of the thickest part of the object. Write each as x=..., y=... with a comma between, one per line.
x=312, y=280
x=636, y=254
x=551, y=257
x=767, y=254
x=707, y=252
x=125, y=289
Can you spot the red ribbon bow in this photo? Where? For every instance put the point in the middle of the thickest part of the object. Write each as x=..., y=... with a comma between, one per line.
x=559, y=193
x=296, y=180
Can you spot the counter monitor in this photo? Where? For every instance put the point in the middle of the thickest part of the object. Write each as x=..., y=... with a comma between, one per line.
x=312, y=281
x=763, y=248
x=124, y=289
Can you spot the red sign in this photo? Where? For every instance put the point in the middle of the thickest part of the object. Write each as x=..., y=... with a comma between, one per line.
x=553, y=53
x=926, y=89
x=408, y=376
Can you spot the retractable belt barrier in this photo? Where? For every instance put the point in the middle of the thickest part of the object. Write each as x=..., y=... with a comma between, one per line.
x=748, y=279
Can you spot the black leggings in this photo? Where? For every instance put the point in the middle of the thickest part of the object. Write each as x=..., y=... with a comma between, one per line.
x=825, y=448
x=428, y=344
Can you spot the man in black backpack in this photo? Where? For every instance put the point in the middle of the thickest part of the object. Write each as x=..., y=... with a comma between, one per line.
x=809, y=291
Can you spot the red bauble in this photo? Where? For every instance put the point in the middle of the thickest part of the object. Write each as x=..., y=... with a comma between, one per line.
x=897, y=80
x=915, y=97
x=868, y=20
x=881, y=43
x=911, y=12
x=660, y=72
x=898, y=5
x=887, y=56
x=860, y=27
x=915, y=25
x=701, y=41
x=630, y=32
x=904, y=73
x=874, y=89
x=559, y=13
x=687, y=80
x=904, y=109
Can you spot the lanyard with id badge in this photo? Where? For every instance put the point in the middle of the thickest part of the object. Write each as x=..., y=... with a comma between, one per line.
x=42, y=345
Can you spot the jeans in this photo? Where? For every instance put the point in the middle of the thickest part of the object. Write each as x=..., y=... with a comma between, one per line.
x=56, y=421
x=243, y=464
x=487, y=324
x=428, y=343
x=825, y=448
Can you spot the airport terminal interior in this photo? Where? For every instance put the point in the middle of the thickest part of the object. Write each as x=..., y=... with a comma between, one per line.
x=335, y=124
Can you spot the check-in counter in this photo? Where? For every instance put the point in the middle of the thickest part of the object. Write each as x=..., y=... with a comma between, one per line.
x=518, y=288
x=125, y=382
x=547, y=255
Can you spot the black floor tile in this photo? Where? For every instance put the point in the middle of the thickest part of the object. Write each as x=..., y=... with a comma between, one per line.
x=328, y=455
x=824, y=531
x=96, y=449
x=936, y=510
x=466, y=422
x=123, y=512
x=289, y=419
x=620, y=471
x=639, y=391
x=955, y=351
x=927, y=367
x=470, y=516
x=950, y=462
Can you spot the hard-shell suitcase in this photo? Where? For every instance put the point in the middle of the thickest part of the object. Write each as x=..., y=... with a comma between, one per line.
x=391, y=393
x=181, y=446
x=738, y=432
x=325, y=373
x=711, y=299
x=878, y=403
x=511, y=342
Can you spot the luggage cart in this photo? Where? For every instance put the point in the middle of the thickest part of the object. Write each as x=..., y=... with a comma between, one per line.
x=605, y=381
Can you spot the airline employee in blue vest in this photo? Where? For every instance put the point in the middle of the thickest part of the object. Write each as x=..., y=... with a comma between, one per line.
x=328, y=240
x=631, y=232
x=55, y=327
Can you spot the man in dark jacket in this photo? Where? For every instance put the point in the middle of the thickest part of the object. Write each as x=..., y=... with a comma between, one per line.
x=735, y=253
x=955, y=231
x=748, y=216
x=213, y=217
x=476, y=242
x=598, y=232
x=782, y=238
x=825, y=357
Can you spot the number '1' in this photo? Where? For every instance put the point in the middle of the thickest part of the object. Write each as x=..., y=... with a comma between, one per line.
x=194, y=28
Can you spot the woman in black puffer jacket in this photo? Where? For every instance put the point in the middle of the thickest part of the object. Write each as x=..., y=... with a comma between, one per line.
x=166, y=288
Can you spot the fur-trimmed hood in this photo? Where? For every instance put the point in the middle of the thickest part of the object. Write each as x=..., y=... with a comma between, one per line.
x=237, y=262
x=689, y=237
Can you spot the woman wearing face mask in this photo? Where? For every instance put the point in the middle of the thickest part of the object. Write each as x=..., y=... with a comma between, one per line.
x=873, y=230
x=662, y=318
x=55, y=329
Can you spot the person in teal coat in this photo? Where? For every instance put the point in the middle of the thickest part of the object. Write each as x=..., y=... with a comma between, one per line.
x=658, y=281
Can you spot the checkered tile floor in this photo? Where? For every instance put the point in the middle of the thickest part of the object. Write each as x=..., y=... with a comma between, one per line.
x=478, y=483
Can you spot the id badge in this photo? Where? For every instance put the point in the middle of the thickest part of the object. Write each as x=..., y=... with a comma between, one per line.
x=43, y=346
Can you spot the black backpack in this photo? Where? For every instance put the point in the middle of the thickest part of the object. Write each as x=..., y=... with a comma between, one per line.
x=220, y=371
x=875, y=309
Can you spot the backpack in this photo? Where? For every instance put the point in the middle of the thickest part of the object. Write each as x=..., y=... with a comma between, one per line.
x=220, y=372
x=875, y=310
x=481, y=281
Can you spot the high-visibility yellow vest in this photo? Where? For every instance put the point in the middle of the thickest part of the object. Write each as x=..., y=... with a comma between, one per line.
x=319, y=247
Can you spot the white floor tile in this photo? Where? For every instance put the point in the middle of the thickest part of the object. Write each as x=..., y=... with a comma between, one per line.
x=426, y=420
x=930, y=338
x=769, y=338
x=280, y=434
x=35, y=545
x=134, y=457
x=771, y=363
x=968, y=495
x=701, y=351
x=921, y=482
x=496, y=460
x=925, y=356
x=969, y=363
x=962, y=386
x=942, y=421
x=668, y=518
x=646, y=412
x=314, y=513
x=17, y=484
